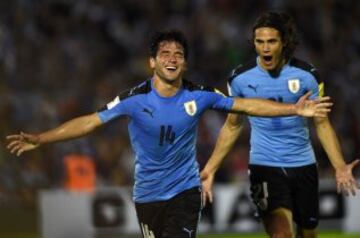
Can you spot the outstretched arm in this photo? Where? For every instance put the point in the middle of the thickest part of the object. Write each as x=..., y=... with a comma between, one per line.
x=74, y=128
x=345, y=180
x=227, y=137
x=304, y=107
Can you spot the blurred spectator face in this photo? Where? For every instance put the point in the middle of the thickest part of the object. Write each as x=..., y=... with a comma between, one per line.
x=269, y=47
x=169, y=63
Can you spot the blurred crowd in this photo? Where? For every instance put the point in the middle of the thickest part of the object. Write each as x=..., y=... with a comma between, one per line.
x=61, y=58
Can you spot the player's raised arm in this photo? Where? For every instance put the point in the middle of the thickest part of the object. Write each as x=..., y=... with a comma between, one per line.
x=304, y=107
x=74, y=128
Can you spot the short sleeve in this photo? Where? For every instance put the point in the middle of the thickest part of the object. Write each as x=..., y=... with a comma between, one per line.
x=114, y=109
x=234, y=88
x=218, y=101
x=315, y=84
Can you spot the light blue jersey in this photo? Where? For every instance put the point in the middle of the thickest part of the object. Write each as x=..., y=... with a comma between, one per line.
x=163, y=133
x=278, y=141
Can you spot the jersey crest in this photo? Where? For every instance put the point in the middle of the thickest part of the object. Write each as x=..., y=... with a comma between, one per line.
x=294, y=85
x=190, y=107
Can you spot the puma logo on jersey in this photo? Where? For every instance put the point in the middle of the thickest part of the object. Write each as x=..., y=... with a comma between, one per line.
x=148, y=112
x=188, y=231
x=253, y=87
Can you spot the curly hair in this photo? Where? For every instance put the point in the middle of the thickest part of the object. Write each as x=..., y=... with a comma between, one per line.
x=286, y=27
x=171, y=35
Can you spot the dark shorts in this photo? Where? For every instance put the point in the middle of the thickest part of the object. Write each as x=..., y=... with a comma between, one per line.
x=174, y=218
x=294, y=188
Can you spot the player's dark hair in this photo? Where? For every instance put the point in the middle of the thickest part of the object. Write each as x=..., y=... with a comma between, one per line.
x=286, y=27
x=171, y=35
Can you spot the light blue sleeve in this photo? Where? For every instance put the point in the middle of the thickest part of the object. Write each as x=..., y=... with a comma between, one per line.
x=218, y=101
x=114, y=109
x=312, y=85
x=235, y=88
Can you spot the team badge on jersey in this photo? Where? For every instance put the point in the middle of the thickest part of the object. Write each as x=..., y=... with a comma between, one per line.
x=294, y=85
x=190, y=107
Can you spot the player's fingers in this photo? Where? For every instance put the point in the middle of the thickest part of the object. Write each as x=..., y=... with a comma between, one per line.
x=353, y=192
x=210, y=196
x=320, y=114
x=203, y=198
x=15, y=149
x=343, y=188
x=307, y=95
x=27, y=136
x=20, y=151
x=354, y=163
x=338, y=188
x=12, y=144
x=323, y=99
x=13, y=137
x=324, y=105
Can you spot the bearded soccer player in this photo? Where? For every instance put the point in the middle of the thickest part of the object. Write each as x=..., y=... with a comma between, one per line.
x=163, y=113
x=282, y=166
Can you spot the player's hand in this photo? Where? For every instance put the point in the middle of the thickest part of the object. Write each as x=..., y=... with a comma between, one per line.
x=207, y=180
x=313, y=108
x=345, y=181
x=22, y=142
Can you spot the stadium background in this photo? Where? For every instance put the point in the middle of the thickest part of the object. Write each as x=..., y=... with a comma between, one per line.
x=60, y=59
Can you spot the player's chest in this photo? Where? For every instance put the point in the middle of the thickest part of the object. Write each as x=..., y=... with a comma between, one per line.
x=176, y=114
x=284, y=89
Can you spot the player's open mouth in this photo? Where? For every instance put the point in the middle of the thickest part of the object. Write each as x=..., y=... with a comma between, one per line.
x=267, y=58
x=171, y=68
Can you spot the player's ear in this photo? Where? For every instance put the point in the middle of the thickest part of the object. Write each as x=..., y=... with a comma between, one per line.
x=152, y=62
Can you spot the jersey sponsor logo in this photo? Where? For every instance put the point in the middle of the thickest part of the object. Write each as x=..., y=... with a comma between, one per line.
x=113, y=103
x=190, y=107
x=294, y=85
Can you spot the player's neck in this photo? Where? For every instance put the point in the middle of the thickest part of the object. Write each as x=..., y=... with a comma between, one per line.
x=167, y=88
x=275, y=72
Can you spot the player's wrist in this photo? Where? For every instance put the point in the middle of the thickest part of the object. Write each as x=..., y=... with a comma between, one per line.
x=38, y=139
x=209, y=170
x=295, y=109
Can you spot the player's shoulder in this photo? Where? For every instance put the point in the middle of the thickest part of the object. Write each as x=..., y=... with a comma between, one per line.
x=193, y=87
x=190, y=86
x=241, y=69
x=305, y=66
x=142, y=88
